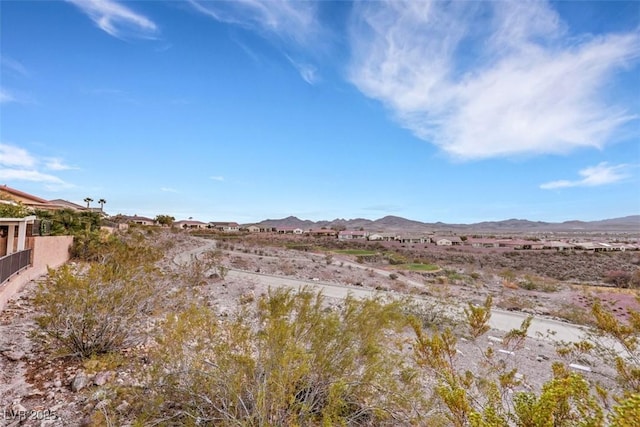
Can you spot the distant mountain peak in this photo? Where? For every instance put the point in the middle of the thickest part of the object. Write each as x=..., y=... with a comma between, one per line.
x=392, y=222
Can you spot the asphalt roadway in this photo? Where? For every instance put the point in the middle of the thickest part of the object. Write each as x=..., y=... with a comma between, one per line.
x=500, y=320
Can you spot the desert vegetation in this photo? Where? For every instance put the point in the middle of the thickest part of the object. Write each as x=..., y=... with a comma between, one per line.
x=151, y=339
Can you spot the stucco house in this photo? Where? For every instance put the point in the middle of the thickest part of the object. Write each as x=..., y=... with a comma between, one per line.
x=289, y=230
x=447, y=240
x=413, y=238
x=384, y=237
x=322, y=232
x=352, y=235
x=228, y=227
x=190, y=224
x=26, y=199
x=135, y=219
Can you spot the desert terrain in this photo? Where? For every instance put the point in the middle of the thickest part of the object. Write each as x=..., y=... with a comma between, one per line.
x=556, y=288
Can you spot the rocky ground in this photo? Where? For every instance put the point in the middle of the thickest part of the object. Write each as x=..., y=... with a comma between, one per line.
x=38, y=390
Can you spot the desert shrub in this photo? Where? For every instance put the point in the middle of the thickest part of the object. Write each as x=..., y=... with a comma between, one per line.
x=396, y=258
x=98, y=307
x=430, y=314
x=70, y=222
x=453, y=275
x=618, y=278
x=90, y=245
x=487, y=397
x=527, y=283
x=287, y=361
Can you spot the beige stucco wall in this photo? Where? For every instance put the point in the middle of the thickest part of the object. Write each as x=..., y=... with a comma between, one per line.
x=52, y=251
x=48, y=251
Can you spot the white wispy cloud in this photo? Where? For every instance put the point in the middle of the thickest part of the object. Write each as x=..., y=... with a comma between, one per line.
x=8, y=174
x=17, y=164
x=168, y=190
x=11, y=65
x=13, y=156
x=57, y=164
x=217, y=178
x=292, y=20
x=294, y=25
x=601, y=174
x=480, y=87
x=6, y=96
x=308, y=72
x=116, y=19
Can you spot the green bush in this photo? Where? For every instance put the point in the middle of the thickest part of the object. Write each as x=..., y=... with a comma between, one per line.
x=289, y=361
x=99, y=307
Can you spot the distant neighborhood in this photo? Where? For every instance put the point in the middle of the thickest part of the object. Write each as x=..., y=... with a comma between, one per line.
x=405, y=238
x=451, y=239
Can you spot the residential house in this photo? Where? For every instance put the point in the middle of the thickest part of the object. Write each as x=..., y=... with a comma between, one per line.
x=135, y=219
x=190, y=224
x=447, y=241
x=352, y=235
x=603, y=247
x=477, y=242
x=227, y=227
x=413, y=238
x=26, y=199
x=68, y=205
x=384, y=237
x=289, y=230
x=253, y=229
x=322, y=232
x=559, y=246
x=521, y=244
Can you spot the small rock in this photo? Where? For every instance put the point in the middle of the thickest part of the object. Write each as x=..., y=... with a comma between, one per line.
x=102, y=404
x=51, y=395
x=18, y=408
x=123, y=406
x=79, y=382
x=57, y=383
x=14, y=355
x=102, y=378
x=57, y=407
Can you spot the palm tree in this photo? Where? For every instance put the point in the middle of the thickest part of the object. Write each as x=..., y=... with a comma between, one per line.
x=101, y=202
x=88, y=200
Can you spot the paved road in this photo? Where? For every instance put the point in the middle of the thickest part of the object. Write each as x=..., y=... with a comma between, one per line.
x=500, y=320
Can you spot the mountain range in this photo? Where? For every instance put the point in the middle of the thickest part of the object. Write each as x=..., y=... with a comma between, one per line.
x=627, y=224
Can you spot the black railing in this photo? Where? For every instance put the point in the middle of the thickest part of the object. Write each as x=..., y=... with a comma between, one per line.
x=14, y=263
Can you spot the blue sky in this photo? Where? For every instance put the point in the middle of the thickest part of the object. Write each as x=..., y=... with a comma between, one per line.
x=459, y=111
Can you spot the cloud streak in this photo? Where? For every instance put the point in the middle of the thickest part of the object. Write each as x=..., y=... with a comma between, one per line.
x=116, y=19
x=17, y=164
x=308, y=72
x=291, y=20
x=13, y=66
x=56, y=164
x=15, y=156
x=292, y=25
x=6, y=96
x=594, y=176
x=515, y=86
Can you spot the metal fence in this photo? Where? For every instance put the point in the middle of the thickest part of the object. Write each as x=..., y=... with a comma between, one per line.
x=14, y=263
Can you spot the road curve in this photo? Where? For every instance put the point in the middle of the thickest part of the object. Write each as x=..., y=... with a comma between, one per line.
x=500, y=319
